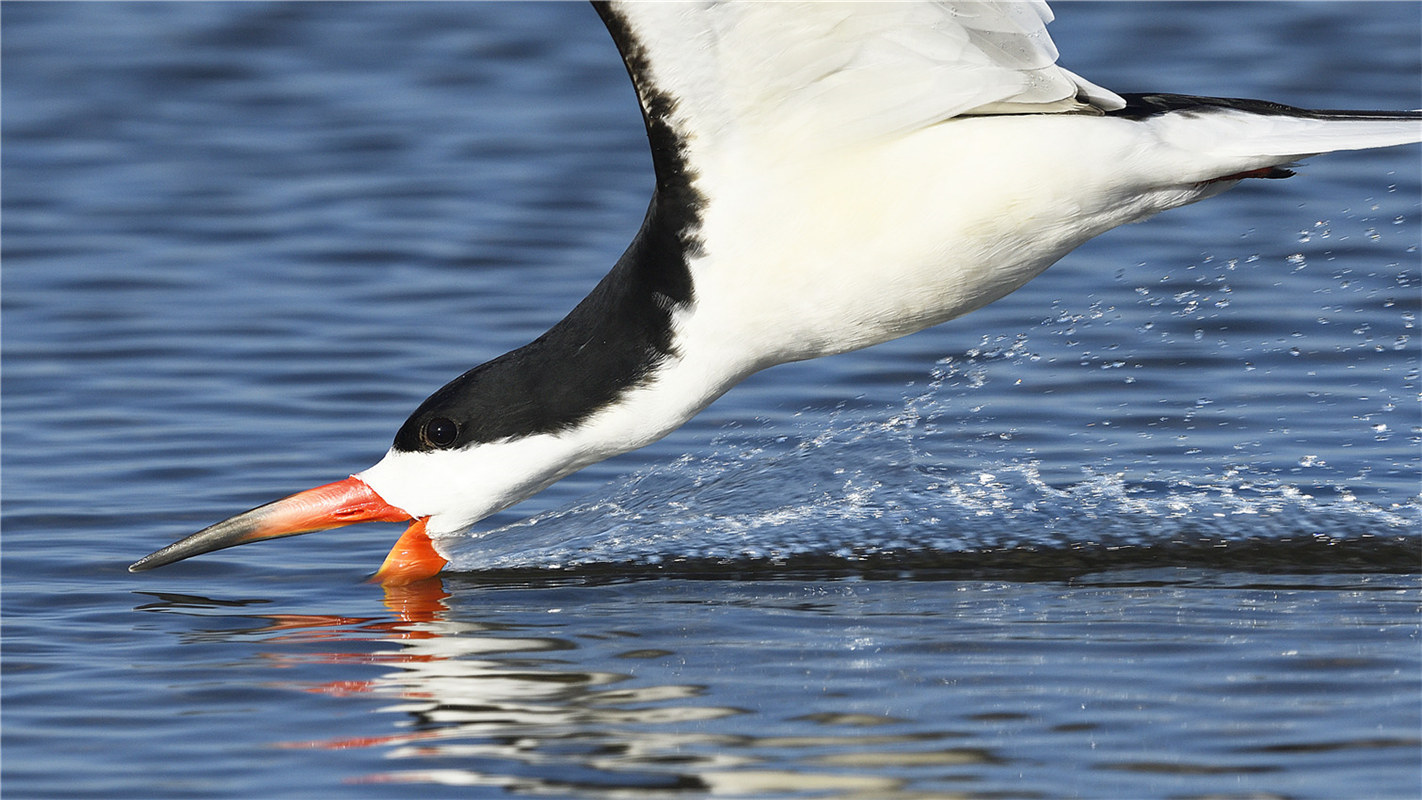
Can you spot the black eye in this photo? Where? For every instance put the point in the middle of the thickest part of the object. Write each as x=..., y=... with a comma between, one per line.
x=441, y=432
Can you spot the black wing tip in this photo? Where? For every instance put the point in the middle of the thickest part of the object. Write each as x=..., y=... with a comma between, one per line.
x=1144, y=105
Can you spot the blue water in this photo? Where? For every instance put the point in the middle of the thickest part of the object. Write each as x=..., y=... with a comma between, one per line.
x=1149, y=527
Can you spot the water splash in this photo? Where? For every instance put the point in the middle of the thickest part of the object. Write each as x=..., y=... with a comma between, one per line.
x=875, y=491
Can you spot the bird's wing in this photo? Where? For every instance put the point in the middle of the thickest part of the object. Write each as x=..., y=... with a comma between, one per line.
x=832, y=72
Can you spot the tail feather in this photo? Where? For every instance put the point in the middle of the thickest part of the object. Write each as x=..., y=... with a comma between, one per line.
x=1272, y=132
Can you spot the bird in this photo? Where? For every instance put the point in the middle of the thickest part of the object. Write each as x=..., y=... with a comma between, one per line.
x=828, y=176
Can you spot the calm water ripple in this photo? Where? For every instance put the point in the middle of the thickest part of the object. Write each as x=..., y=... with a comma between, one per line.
x=1149, y=527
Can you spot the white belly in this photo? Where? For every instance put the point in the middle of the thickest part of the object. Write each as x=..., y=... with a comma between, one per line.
x=907, y=234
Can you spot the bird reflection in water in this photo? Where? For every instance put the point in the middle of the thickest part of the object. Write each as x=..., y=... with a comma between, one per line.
x=485, y=706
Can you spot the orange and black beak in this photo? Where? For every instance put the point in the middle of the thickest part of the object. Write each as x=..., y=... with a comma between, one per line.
x=331, y=506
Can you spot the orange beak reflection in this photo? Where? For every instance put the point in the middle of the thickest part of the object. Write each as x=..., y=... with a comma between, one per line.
x=331, y=506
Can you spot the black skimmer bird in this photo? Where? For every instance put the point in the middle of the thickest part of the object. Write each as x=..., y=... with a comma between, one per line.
x=829, y=176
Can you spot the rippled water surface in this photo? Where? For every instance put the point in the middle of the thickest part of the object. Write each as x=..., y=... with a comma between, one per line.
x=1148, y=527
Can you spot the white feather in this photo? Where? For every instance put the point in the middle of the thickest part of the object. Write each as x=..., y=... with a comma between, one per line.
x=818, y=73
x=1266, y=140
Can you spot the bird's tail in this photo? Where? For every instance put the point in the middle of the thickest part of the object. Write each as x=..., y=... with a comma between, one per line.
x=1254, y=134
